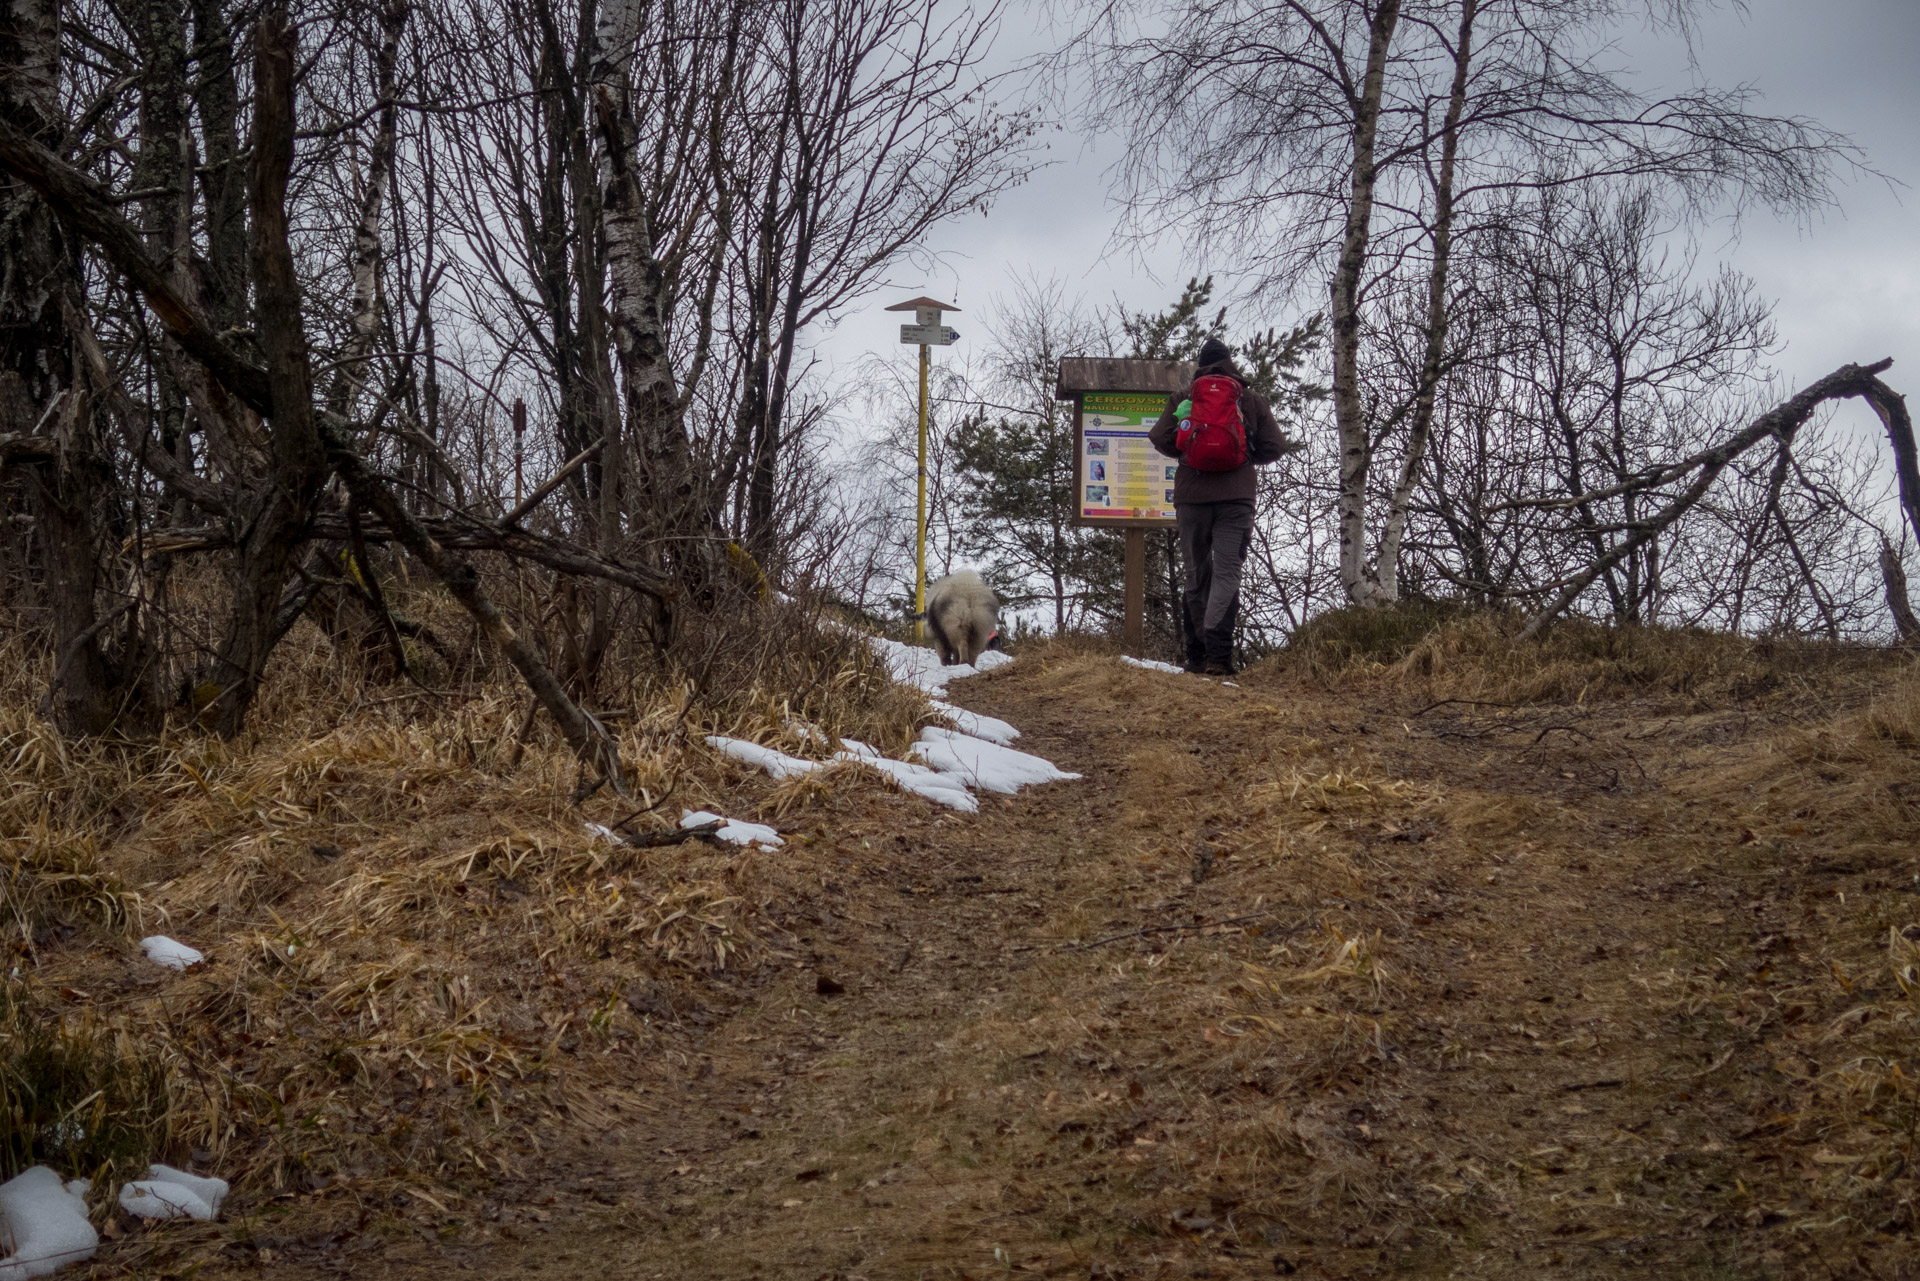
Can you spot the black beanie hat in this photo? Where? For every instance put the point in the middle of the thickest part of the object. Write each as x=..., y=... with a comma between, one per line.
x=1214, y=352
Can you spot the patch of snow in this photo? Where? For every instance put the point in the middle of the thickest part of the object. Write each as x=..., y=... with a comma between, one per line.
x=167, y=1193
x=209, y=1189
x=913, y=665
x=1230, y=684
x=984, y=764
x=162, y=950
x=733, y=829
x=918, y=779
x=45, y=1221
x=67, y=1133
x=1152, y=665
x=990, y=728
x=773, y=761
x=950, y=763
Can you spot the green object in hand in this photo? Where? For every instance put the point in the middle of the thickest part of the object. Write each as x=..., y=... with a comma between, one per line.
x=1185, y=411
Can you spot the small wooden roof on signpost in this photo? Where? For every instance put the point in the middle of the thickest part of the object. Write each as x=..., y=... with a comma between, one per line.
x=1120, y=373
x=915, y=304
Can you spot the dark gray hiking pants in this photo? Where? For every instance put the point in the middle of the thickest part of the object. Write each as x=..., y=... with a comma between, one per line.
x=1213, y=545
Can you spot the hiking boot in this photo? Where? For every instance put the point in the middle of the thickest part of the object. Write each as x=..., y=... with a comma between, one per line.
x=1217, y=668
x=1194, y=666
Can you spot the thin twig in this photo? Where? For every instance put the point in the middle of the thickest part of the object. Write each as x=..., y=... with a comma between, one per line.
x=1471, y=702
x=539, y=495
x=520, y=739
x=652, y=840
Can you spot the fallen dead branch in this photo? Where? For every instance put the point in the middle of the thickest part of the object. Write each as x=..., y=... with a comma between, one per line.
x=654, y=840
x=1705, y=467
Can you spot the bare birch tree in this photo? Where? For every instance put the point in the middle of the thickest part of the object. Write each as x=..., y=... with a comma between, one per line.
x=1358, y=141
x=268, y=306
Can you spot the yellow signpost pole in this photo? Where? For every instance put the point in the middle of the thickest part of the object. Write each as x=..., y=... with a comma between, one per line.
x=926, y=333
x=920, y=515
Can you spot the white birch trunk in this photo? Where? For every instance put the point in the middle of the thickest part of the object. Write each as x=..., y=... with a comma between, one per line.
x=637, y=284
x=1349, y=415
x=35, y=73
x=1420, y=430
x=351, y=377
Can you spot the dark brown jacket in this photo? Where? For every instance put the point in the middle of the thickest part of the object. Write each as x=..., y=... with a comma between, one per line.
x=1265, y=444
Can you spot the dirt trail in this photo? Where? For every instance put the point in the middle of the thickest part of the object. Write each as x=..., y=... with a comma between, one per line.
x=1291, y=983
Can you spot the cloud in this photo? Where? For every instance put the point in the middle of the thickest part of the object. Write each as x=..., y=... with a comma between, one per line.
x=1847, y=286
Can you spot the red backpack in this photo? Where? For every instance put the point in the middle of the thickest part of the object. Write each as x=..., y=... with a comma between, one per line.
x=1214, y=438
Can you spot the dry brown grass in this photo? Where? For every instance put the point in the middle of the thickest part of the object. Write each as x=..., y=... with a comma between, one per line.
x=1773, y=778
x=1846, y=784
x=1834, y=1009
x=1451, y=654
x=1449, y=998
x=1780, y=776
x=418, y=954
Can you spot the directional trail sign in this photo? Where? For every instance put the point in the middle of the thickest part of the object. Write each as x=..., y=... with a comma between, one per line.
x=927, y=331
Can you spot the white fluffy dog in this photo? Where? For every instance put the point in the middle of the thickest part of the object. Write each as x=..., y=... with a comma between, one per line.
x=964, y=616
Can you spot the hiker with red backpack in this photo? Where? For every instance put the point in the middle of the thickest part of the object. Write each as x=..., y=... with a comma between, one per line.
x=1220, y=432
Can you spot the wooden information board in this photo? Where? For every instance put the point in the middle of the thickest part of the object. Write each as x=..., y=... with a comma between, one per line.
x=1120, y=476
x=1119, y=479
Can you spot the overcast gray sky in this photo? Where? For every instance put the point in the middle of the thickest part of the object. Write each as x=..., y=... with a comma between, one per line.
x=1847, y=288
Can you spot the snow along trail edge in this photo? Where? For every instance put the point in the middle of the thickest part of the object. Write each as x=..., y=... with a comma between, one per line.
x=43, y=1218
x=950, y=765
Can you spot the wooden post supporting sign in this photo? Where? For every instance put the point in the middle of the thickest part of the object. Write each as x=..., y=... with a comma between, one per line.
x=1133, y=626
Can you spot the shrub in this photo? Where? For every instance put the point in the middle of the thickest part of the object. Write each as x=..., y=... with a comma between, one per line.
x=75, y=1099
x=1354, y=634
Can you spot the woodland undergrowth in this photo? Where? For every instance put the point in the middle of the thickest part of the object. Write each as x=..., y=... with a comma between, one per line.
x=417, y=950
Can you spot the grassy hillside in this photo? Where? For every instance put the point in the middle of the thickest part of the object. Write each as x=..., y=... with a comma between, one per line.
x=1413, y=952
